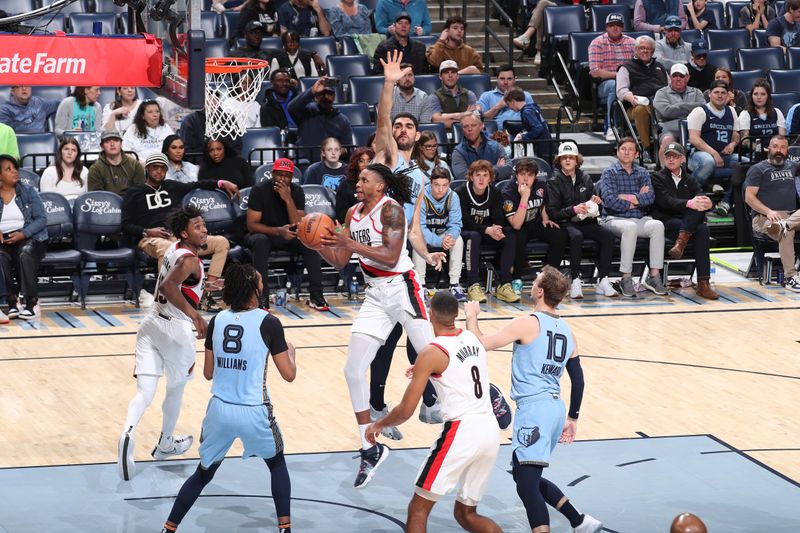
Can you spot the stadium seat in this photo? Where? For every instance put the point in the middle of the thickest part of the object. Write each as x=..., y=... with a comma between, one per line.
x=83, y=23
x=36, y=148
x=357, y=112
x=744, y=79
x=724, y=38
x=217, y=210
x=349, y=47
x=50, y=93
x=309, y=81
x=717, y=9
x=477, y=83
x=637, y=34
x=760, y=38
x=60, y=253
x=344, y=67
x=29, y=177
x=722, y=58
x=360, y=134
x=785, y=100
x=258, y=138
x=320, y=199
x=793, y=57
x=230, y=23
x=458, y=133
x=560, y=21
x=50, y=22
x=761, y=58
x=692, y=36
x=210, y=24
x=598, y=14
x=216, y=48
x=579, y=46
x=427, y=40
x=240, y=205
x=109, y=6
x=18, y=6
x=545, y=170
x=266, y=43
x=324, y=46
x=266, y=84
x=107, y=96
x=438, y=130
x=784, y=80
x=732, y=10
x=428, y=83
x=366, y=89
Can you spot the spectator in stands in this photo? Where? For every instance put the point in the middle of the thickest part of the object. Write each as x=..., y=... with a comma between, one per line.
x=275, y=110
x=349, y=17
x=389, y=10
x=627, y=194
x=672, y=49
x=23, y=239
x=451, y=102
x=79, y=112
x=761, y=120
x=535, y=26
x=608, y=52
x=329, y=170
x=770, y=192
x=681, y=207
x=413, y=50
x=144, y=218
x=67, y=176
x=221, y=161
x=484, y=226
x=651, y=15
x=714, y=133
x=26, y=113
x=263, y=11
x=118, y=115
x=193, y=133
x=673, y=104
x=534, y=125
x=300, y=63
x=254, y=33
x=8, y=141
x=441, y=227
x=701, y=73
x=274, y=208
x=303, y=16
x=638, y=80
x=408, y=98
x=574, y=206
x=318, y=119
x=426, y=154
x=451, y=46
x=493, y=104
x=148, y=131
x=477, y=145
x=784, y=31
x=700, y=18
x=346, y=193
x=756, y=16
x=114, y=171
x=737, y=99
x=178, y=169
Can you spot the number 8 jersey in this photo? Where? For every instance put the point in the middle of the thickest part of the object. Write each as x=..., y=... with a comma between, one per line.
x=536, y=367
x=463, y=388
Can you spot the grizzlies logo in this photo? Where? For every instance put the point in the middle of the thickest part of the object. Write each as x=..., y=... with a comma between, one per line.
x=528, y=436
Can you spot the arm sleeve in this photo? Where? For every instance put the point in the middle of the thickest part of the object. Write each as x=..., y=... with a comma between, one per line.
x=209, y=342
x=272, y=333
x=430, y=107
x=576, y=392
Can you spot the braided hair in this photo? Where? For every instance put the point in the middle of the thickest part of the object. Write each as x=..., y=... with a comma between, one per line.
x=398, y=185
x=241, y=284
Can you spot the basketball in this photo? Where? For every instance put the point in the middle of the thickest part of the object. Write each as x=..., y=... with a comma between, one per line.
x=687, y=523
x=312, y=227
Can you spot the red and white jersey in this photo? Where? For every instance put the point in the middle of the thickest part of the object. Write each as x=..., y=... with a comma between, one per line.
x=191, y=288
x=463, y=388
x=367, y=228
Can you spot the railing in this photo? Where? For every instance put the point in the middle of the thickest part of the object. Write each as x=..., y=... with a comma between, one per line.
x=620, y=107
x=489, y=32
x=573, y=98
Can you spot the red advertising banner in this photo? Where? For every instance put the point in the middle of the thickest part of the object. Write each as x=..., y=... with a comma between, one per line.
x=60, y=59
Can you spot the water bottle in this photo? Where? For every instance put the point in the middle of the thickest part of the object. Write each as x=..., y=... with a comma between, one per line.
x=713, y=271
x=779, y=275
x=280, y=297
x=353, y=290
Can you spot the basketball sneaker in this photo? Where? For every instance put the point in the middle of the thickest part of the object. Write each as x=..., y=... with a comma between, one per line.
x=4, y=318
x=126, y=466
x=589, y=525
x=605, y=288
x=209, y=304
x=506, y=293
x=171, y=446
x=475, y=293
x=371, y=459
x=576, y=289
x=317, y=301
x=432, y=414
x=458, y=292
x=500, y=406
x=13, y=310
x=390, y=432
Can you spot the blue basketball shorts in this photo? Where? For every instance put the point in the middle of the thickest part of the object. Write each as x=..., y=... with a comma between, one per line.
x=537, y=427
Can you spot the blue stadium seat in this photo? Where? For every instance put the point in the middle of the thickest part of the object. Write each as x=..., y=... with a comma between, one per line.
x=784, y=80
x=29, y=177
x=785, y=100
x=344, y=67
x=266, y=43
x=216, y=47
x=357, y=112
x=428, y=83
x=240, y=205
x=732, y=10
x=109, y=6
x=438, y=129
x=545, y=170
x=793, y=57
x=477, y=83
x=15, y=7
x=215, y=206
x=761, y=58
x=360, y=134
x=51, y=22
x=307, y=82
x=366, y=89
x=349, y=47
x=264, y=172
x=61, y=255
x=637, y=34
x=744, y=79
x=599, y=13
x=230, y=23
x=760, y=38
x=36, y=148
x=50, y=93
x=692, y=36
x=210, y=24
x=427, y=40
x=107, y=95
x=83, y=23
x=722, y=58
x=725, y=38
x=579, y=46
x=324, y=46
x=320, y=199
x=560, y=21
x=256, y=138
x=717, y=9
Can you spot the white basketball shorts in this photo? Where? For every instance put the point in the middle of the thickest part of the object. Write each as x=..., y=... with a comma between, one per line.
x=165, y=347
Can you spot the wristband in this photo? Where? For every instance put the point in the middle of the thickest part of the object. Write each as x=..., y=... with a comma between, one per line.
x=219, y=184
x=690, y=204
x=523, y=206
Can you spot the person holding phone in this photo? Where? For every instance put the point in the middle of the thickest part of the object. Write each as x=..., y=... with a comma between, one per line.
x=317, y=119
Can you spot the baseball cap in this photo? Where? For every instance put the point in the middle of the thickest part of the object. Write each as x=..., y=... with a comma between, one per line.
x=254, y=25
x=718, y=83
x=672, y=22
x=567, y=148
x=615, y=18
x=286, y=165
x=448, y=64
x=675, y=148
x=679, y=68
x=699, y=48
x=403, y=15
x=110, y=134
x=156, y=159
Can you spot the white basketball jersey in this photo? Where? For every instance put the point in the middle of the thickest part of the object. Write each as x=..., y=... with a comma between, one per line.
x=367, y=228
x=191, y=287
x=463, y=388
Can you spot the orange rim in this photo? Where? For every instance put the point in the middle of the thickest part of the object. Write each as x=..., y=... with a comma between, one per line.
x=232, y=65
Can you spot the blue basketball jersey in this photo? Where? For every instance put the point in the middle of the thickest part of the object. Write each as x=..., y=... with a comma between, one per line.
x=717, y=132
x=764, y=126
x=536, y=367
x=411, y=169
x=240, y=358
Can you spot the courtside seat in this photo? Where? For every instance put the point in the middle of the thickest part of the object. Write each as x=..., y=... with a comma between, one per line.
x=218, y=213
x=320, y=199
x=61, y=256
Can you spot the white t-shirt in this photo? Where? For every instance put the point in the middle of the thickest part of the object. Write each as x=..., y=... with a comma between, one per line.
x=12, y=219
x=68, y=189
x=121, y=124
x=744, y=119
x=697, y=117
x=150, y=144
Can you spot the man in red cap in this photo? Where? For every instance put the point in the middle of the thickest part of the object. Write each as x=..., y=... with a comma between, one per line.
x=274, y=208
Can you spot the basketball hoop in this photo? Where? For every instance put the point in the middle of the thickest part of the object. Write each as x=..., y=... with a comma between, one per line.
x=232, y=84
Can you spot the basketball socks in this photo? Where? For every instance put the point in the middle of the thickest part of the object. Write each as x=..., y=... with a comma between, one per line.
x=171, y=409
x=362, y=429
x=145, y=391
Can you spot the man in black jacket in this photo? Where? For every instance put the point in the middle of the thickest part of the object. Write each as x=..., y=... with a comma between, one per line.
x=680, y=205
x=413, y=51
x=275, y=109
x=253, y=36
x=317, y=119
x=573, y=204
x=144, y=214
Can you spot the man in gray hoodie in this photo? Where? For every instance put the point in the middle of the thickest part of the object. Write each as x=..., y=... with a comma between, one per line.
x=673, y=103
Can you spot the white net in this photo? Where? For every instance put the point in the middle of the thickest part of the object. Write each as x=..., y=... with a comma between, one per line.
x=232, y=85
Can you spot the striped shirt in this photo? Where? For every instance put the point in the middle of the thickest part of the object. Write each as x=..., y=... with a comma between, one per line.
x=609, y=55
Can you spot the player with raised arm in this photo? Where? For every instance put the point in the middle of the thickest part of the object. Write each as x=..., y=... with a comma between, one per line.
x=239, y=342
x=165, y=342
x=464, y=455
x=543, y=346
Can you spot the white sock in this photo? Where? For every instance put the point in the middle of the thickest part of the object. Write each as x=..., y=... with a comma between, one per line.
x=362, y=429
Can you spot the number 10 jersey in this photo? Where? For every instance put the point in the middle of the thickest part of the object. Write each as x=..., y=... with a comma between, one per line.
x=536, y=367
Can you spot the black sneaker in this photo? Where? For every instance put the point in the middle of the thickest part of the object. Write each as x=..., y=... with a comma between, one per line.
x=209, y=304
x=28, y=313
x=317, y=301
x=371, y=459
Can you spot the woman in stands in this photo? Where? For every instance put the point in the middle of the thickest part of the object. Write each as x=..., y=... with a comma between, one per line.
x=220, y=161
x=760, y=119
x=736, y=98
x=178, y=169
x=79, y=112
x=67, y=176
x=300, y=63
x=346, y=193
x=23, y=238
x=329, y=171
x=263, y=11
x=349, y=17
x=118, y=115
x=426, y=154
x=148, y=131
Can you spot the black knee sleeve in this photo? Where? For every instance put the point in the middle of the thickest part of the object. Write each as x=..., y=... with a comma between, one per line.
x=528, y=479
x=280, y=484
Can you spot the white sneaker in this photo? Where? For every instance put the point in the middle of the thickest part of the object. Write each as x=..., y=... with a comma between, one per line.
x=172, y=447
x=146, y=299
x=126, y=466
x=604, y=288
x=576, y=290
x=589, y=525
x=610, y=137
x=432, y=414
x=390, y=432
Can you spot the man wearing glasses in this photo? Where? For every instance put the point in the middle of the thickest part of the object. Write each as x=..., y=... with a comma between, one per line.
x=784, y=31
x=673, y=104
x=672, y=49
